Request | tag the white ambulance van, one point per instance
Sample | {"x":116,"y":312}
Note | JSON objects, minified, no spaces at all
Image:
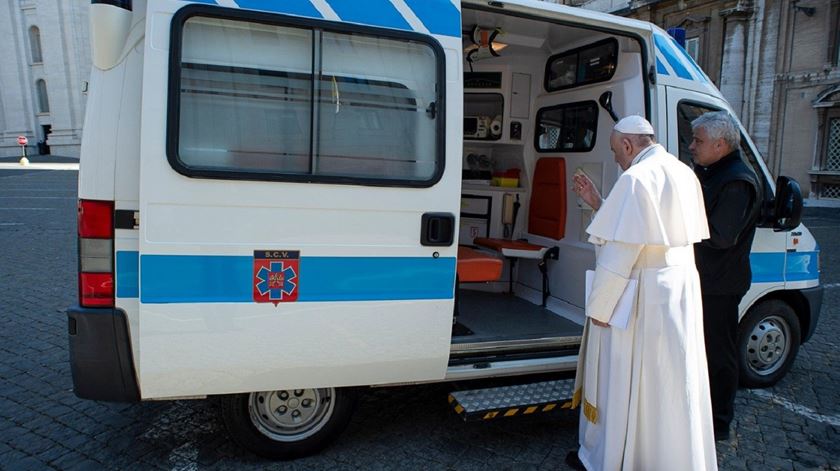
{"x":283,"y":201}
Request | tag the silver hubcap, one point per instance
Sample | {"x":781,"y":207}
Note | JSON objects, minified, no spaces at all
{"x":768,"y":347}
{"x":291,"y":415}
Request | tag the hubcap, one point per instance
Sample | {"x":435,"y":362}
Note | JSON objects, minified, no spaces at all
{"x":767,"y":347}
{"x":291,"y":415}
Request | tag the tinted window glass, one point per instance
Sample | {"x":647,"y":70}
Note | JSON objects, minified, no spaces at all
{"x":264,"y":100}
{"x":567,"y":128}
{"x":589,"y":64}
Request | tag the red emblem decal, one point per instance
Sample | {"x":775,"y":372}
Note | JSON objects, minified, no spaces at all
{"x":276,"y":276}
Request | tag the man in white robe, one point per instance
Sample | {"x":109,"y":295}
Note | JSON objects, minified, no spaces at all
{"x":644,"y":386}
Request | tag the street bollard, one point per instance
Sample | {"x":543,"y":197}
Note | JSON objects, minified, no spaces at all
{"x":22,"y":141}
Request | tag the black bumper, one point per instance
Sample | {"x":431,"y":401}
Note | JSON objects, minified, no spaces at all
{"x":814,"y":297}
{"x":100,"y":355}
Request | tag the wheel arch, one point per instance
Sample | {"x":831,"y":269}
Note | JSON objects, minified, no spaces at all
{"x":793,"y":298}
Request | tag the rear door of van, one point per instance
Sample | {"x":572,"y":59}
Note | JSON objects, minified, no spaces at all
{"x":297,"y":198}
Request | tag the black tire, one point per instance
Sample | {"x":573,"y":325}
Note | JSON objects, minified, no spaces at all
{"x":250,"y":422}
{"x":768,"y":341}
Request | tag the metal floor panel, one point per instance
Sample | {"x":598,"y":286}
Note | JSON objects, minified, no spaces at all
{"x":495,"y":317}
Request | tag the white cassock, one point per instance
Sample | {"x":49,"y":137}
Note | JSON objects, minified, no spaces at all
{"x":645,"y":389}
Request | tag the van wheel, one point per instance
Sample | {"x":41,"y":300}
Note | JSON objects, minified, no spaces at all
{"x":290,"y":423}
{"x":768,"y":341}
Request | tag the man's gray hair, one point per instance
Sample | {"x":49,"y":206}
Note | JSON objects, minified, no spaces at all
{"x":719,"y":125}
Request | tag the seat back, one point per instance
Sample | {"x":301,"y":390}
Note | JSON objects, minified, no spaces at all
{"x":547,"y":209}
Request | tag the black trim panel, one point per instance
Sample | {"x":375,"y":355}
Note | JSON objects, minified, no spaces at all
{"x":124,"y":4}
{"x":100,"y":355}
{"x":124,"y":219}
{"x":814,"y":296}
{"x":174,"y":106}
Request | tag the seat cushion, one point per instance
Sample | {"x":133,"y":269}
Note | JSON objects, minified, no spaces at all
{"x":512,"y":248}
{"x":547,"y":211}
{"x":474,"y":266}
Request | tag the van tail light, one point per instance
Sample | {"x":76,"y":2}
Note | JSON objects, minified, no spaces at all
{"x":96,"y":253}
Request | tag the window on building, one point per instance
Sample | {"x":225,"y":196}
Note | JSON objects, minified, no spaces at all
{"x":43,"y":99}
{"x":832,"y":156}
{"x":692,"y":47}
{"x":35,"y":45}
{"x":282,"y":102}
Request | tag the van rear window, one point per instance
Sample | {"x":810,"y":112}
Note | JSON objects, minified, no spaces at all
{"x":296,"y":102}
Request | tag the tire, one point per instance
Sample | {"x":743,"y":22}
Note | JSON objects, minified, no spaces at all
{"x":287,"y":424}
{"x":768,"y":341}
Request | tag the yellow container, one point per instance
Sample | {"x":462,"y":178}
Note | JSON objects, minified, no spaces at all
{"x":506,"y":182}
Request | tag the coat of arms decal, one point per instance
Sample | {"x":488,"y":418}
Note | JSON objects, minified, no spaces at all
{"x":276,"y":276}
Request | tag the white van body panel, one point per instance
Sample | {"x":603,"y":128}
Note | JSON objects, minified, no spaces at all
{"x":198,"y":231}
{"x":211,"y":342}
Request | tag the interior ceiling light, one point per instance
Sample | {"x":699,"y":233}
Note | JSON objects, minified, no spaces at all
{"x":483,"y":44}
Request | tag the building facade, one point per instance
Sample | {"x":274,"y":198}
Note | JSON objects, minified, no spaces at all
{"x":778,"y":65}
{"x":43,"y":77}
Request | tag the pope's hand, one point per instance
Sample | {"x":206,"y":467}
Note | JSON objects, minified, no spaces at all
{"x":599,"y":323}
{"x":584,"y":188}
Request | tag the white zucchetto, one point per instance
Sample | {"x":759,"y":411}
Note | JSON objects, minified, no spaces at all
{"x":634,"y":125}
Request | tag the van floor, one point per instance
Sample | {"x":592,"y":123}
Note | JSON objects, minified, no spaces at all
{"x":495,"y":317}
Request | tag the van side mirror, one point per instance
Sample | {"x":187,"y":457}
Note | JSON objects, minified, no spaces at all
{"x":788,"y":204}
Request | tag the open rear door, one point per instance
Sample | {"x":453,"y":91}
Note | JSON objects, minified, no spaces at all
{"x":298,"y":197}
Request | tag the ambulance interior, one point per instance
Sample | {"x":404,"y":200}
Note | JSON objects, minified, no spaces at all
{"x":538,"y":98}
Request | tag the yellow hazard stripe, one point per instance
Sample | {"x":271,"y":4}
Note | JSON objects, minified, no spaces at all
{"x":491,"y":415}
{"x":511,"y":412}
{"x":459,"y":408}
{"x":451,"y":398}
{"x":549,"y":407}
{"x":531,"y":410}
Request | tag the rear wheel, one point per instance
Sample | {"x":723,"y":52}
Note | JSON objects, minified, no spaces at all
{"x":287,"y":424}
{"x":768,"y":341}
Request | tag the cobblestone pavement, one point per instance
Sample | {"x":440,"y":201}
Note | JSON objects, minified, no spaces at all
{"x":795,"y":425}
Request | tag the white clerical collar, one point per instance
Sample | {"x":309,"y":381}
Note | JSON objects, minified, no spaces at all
{"x":644,"y":153}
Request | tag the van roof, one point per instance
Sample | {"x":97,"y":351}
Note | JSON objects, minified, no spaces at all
{"x":674,"y":66}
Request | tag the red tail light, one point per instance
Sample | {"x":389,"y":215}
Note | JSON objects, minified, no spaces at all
{"x":96,"y":253}
{"x":96,"y":219}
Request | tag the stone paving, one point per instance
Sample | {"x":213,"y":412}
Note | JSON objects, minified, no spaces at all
{"x":795,"y":425}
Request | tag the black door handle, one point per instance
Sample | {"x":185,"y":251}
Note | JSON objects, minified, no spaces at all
{"x":437,"y":229}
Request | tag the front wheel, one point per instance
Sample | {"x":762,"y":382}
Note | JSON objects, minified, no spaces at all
{"x":768,"y":341}
{"x":287,"y":424}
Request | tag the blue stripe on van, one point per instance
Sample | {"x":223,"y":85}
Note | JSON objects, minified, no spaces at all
{"x":665,"y":47}
{"x":767,"y":267}
{"x":802,"y":266}
{"x":701,"y":76}
{"x":660,"y":67}
{"x":439,"y":16}
{"x":291,"y":7}
{"x":780,"y":266}
{"x":127,"y":270}
{"x":217,"y":279}
{"x":370,"y":12}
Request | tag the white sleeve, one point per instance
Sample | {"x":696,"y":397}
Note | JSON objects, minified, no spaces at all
{"x":613,"y":266}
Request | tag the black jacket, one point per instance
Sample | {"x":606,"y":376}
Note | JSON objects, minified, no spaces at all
{"x":731,"y":194}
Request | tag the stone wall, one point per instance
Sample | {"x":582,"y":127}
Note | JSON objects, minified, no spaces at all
{"x":64,"y":68}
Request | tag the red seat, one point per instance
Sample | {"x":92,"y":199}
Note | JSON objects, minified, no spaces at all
{"x":546,"y":218}
{"x":475,"y":266}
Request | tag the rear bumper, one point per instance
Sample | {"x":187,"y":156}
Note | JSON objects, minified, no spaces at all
{"x":100,"y":355}
{"x":814,"y":297}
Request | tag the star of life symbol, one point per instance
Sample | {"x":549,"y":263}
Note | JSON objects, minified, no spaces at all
{"x":276,"y":274}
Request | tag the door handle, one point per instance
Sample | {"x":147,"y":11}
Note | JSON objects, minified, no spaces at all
{"x":437,"y":229}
